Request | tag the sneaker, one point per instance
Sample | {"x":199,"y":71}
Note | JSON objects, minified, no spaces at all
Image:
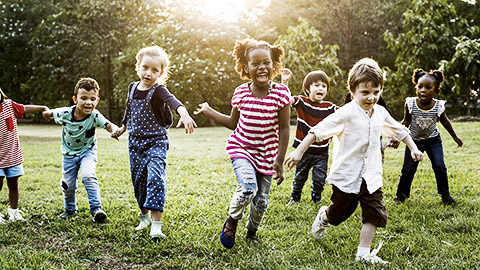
{"x":99,"y":216}
{"x":156,"y":230}
{"x":372,"y":258}
{"x":67,"y":214}
{"x":316,"y":197}
{"x":14,"y":215}
{"x":145,"y":220}
{"x":2,"y":221}
{"x":295,"y":197}
{"x":319,"y":227}
{"x":448,"y":200}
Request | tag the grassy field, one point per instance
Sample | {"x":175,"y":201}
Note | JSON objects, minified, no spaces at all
{"x":421,"y":234}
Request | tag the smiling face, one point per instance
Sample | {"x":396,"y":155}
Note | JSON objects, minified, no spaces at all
{"x":149,"y":70}
{"x":86,"y":102}
{"x":426,"y":89}
{"x":366,"y":95}
{"x":317,"y":91}
{"x":260,"y":66}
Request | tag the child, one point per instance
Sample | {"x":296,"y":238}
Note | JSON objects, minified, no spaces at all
{"x":311,"y":109}
{"x":79,"y":146}
{"x":147,"y":119}
{"x":356,"y":170}
{"x":260,"y":123}
{"x":421,"y":115}
{"x":11,"y":157}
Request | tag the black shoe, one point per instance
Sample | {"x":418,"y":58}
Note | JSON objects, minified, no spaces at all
{"x":448,"y":200}
{"x":316,"y":197}
{"x":99,"y":216}
{"x":399,"y":200}
{"x":66,"y":214}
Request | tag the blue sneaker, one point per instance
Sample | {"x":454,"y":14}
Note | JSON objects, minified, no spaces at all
{"x":227,"y":242}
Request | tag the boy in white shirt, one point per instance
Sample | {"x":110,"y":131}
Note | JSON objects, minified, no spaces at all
{"x":356,"y":170}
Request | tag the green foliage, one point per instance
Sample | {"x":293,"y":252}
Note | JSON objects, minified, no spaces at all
{"x":304,"y":52}
{"x":429,"y":31}
{"x":421,"y":234}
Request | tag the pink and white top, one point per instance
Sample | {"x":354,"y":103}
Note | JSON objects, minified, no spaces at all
{"x":10,"y":151}
{"x":256,"y":136}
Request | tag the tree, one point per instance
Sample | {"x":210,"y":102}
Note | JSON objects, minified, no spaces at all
{"x":304,"y":53}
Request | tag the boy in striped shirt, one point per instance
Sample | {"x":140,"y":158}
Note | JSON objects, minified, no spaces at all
{"x":311,"y":109}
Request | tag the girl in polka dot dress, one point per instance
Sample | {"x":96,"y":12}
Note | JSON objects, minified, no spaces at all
{"x":147,"y":120}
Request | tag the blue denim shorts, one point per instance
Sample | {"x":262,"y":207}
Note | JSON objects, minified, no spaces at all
{"x":12,"y":171}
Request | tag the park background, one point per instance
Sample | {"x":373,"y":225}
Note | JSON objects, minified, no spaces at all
{"x":46,"y":46}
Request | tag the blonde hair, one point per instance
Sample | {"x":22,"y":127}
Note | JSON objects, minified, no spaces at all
{"x":158,"y":53}
{"x":243,"y":47}
{"x":365,"y":70}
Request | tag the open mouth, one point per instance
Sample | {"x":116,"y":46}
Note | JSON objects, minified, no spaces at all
{"x":262,"y":77}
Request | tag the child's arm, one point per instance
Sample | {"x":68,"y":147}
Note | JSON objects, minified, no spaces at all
{"x":111,"y":127}
{"x":228,"y":121}
{"x":448,"y":126}
{"x":297,"y":154}
{"x":34,"y":109}
{"x":118,"y":132}
{"x":186,"y":120}
{"x":415,"y":153}
{"x":284,"y":133}
{"x":47,"y":114}
{"x":407,"y":120}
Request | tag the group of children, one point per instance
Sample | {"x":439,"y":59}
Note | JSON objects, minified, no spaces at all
{"x":257,"y":146}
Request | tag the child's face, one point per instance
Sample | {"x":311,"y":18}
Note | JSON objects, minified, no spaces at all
{"x":86,"y":101}
{"x":149,"y":70}
{"x":426,"y":89}
{"x":317,"y":91}
{"x":260,"y":66}
{"x":367,"y":95}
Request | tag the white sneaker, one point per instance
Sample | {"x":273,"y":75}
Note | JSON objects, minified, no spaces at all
{"x":319,"y":227}
{"x":372,"y":258}
{"x":14,"y":215}
{"x":156,"y":230}
{"x":145,"y":220}
{"x":2,"y":221}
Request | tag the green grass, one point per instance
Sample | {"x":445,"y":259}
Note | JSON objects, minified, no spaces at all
{"x":421,"y":234}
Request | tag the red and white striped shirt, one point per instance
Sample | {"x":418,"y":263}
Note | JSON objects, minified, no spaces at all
{"x":10,"y":151}
{"x":256,"y":136}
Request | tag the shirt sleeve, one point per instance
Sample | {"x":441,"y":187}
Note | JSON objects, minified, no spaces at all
{"x":18,"y":109}
{"x":163,"y":95}
{"x":296,"y":100}
{"x":59,"y":115}
{"x":441,"y":107}
{"x":100,"y":120}
{"x":331,"y":126}
{"x":409,"y":102}
{"x":392,"y":128}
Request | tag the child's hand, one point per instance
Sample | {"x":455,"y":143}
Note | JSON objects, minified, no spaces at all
{"x":47,"y":114}
{"x":286,"y":75}
{"x":278,"y":167}
{"x":186,"y":120}
{"x":417,"y":155}
{"x":293,"y":158}
{"x":118,"y":132}
{"x":391,"y":142}
{"x":202,"y":108}
{"x":458,"y":141}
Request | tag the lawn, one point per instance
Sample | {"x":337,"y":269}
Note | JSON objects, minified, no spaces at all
{"x":421,"y":233}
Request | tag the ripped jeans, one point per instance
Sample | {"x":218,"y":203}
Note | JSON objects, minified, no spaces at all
{"x":86,"y":162}
{"x":253,"y":188}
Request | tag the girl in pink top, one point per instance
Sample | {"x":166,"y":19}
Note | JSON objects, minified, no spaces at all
{"x":260,"y":123}
{"x":11,"y":158}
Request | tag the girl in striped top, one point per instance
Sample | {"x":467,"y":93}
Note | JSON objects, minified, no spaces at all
{"x":421,"y":115}
{"x":11,"y":158}
{"x":260,"y":123}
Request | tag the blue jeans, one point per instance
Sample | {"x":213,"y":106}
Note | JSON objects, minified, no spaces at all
{"x":318,"y":164}
{"x":434,"y":149}
{"x":253,"y":189}
{"x":87,"y":163}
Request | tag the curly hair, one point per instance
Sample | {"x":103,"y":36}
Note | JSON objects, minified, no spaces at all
{"x":365,"y":70}
{"x":158,"y":53}
{"x":88,"y":84}
{"x":437,"y":75}
{"x":242,"y":49}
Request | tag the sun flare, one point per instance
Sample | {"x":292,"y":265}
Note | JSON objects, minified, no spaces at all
{"x":226,"y":10}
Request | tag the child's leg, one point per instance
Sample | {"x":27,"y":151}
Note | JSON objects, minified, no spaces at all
{"x":88,"y":165}
{"x":259,"y":205}
{"x":69,"y":182}
{"x":408,"y":172}
{"x":302,"y":170}
{"x":367,"y":234}
{"x":1,"y":182}
{"x":434,"y":151}
{"x":319,"y":174}
{"x":12,"y":184}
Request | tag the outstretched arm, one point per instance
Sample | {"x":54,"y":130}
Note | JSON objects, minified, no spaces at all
{"x":47,"y":114}
{"x":228,"y":121}
{"x":34,"y":108}
{"x":297,"y":154}
{"x":416,"y":154}
{"x":186,"y":120}
{"x":286,"y":76}
{"x":407,"y":120}
{"x":284,"y":134}
{"x":448,"y":126}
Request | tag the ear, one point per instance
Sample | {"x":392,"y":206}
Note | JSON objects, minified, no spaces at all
{"x":74,"y":99}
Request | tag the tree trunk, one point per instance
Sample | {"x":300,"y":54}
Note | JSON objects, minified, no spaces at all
{"x":108,"y":86}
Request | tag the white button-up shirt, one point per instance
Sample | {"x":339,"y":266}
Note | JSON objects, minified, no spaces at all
{"x":358,"y":151}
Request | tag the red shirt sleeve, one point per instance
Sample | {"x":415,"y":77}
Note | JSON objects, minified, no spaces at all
{"x":18,"y":109}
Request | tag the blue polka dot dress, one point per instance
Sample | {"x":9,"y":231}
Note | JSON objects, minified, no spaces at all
{"x":148,"y":144}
